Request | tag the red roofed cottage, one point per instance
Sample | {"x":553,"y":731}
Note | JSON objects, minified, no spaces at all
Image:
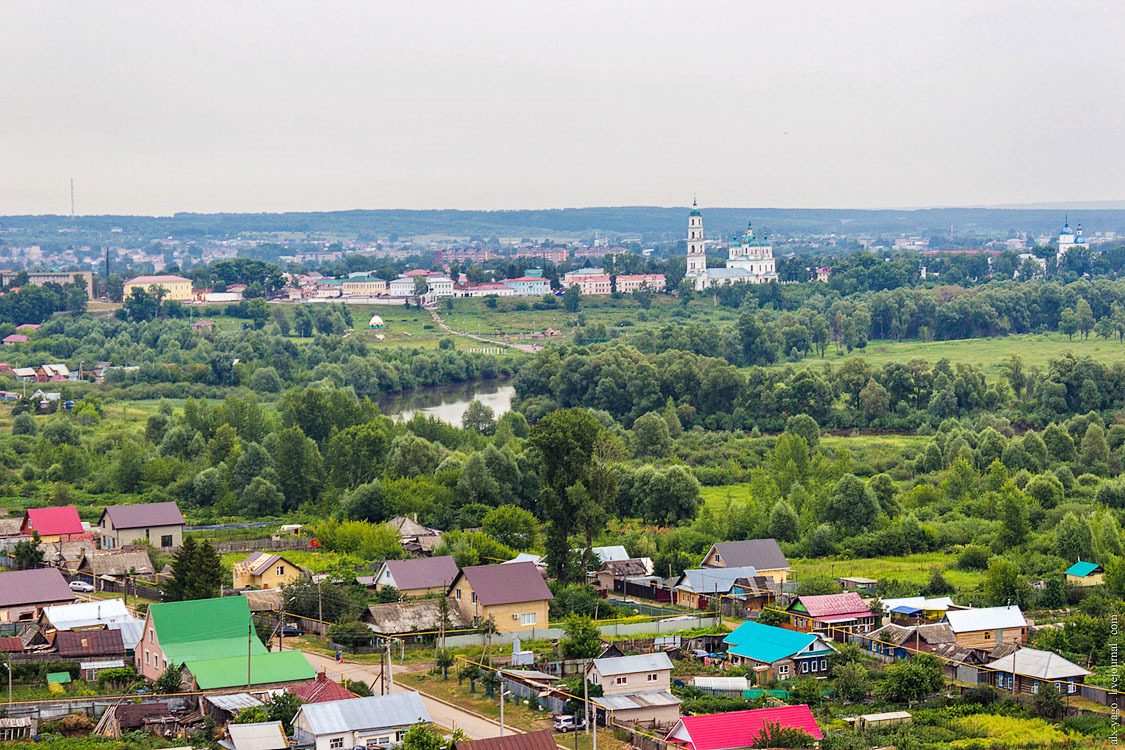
{"x":738,"y":729}
{"x":54,"y":524}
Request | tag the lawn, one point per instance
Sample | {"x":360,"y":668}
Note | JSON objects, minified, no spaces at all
{"x":909,"y":569}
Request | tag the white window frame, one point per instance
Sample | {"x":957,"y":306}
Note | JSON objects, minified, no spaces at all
{"x":280,"y":570}
{"x":457,"y":594}
{"x":804,"y":667}
{"x":783,"y":669}
{"x":336,"y":742}
{"x":620,"y":680}
{"x":653,"y":677}
{"x":527,"y":618}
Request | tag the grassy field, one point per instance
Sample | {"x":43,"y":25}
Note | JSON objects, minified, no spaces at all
{"x":909,"y":569}
{"x":1034,"y":348}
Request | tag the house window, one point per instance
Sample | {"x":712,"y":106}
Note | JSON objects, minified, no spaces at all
{"x":783,"y":669}
{"x":527,"y":618}
{"x":718,"y":558}
{"x":474,"y":597}
{"x":804,"y":667}
{"x":457,"y":594}
{"x":166,"y":540}
{"x":146,"y":657}
{"x":151,"y":635}
{"x":620,"y":680}
{"x":813,"y":667}
{"x":336,"y":742}
{"x":823,"y":665}
{"x":281,"y":570}
{"x":988,"y":635}
{"x":1035,"y":687}
{"x":1071,"y":688}
{"x":653,"y":677}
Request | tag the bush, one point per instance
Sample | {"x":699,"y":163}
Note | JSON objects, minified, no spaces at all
{"x":974,"y":557}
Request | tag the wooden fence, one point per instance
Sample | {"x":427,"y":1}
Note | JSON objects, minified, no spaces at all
{"x":264,"y":545}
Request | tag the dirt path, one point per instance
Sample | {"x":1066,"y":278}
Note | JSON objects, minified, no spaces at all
{"x":443,"y":326}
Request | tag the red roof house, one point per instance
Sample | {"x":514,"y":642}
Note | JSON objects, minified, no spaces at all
{"x":738,"y":728}
{"x":54,"y":524}
{"x":834,"y":612}
{"x":321,"y":690}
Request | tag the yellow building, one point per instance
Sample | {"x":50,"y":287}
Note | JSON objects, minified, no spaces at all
{"x":1085,"y":574}
{"x":175,"y":287}
{"x":264,"y":571}
{"x":763,"y":555}
{"x":512,"y":594}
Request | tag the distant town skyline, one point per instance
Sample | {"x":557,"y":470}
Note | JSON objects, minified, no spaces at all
{"x":319,"y":106}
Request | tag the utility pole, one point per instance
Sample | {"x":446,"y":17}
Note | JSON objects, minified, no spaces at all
{"x":388,"y":678}
{"x":319,"y":603}
{"x":249,"y":644}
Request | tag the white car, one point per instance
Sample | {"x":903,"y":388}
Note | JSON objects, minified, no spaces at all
{"x":82,"y":586}
{"x":567,"y":723}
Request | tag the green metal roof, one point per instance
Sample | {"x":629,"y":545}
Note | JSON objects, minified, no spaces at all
{"x":265,"y":668}
{"x":59,"y":678}
{"x":765,"y":643}
{"x":205,"y":629}
{"x":1082,"y":569}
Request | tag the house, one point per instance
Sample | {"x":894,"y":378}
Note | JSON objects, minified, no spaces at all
{"x":81,"y":645}
{"x":25,"y":374}
{"x":261,"y":735}
{"x":613,"y":552}
{"x":777,"y":653}
{"x":265,"y":571}
{"x":11,"y":645}
{"x":115,"y":565}
{"x":894,"y":642}
{"x":53,"y":524}
{"x":417,"y":576}
{"x":628,"y":283}
{"x":172,"y":287}
{"x":738,"y":729}
{"x":24,"y":594}
{"x":913,"y":610}
{"x":696,"y":587}
{"x":415,"y":538}
{"x":514,"y":595}
{"x":159,"y":524}
{"x":636,"y":688}
{"x":858,"y":583}
{"x":411,"y":616}
{"x":988,"y":626}
{"x":761,"y":554}
{"x":67,"y":555}
{"x":321,"y":690}
{"x":222,"y":708}
{"x":1027,"y":670}
{"x":637,"y":567}
{"x":544,"y":739}
{"x":54,"y":373}
{"x":1085,"y":574}
{"x":212,"y":641}
{"x":528,"y":286}
{"x":100,"y":614}
{"x":837,"y":614}
{"x":380,"y":720}
{"x":16,"y":338}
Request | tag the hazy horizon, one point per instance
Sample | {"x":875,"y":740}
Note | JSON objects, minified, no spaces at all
{"x":273,"y":107}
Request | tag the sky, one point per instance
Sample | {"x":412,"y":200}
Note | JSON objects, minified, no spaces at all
{"x":159,"y":107}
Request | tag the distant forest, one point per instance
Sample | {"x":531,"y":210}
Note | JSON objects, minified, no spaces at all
{"x":650,"y":222}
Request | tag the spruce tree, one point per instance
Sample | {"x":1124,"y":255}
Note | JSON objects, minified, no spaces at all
{"x":176,"y":588}
{"x":206,"y":574}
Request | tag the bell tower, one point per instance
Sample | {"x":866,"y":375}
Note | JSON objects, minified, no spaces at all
{"x":696,"y":254}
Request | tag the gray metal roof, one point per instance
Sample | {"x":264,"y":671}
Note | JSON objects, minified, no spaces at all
{"x":713,"y":580}
{"x":264,"y":735}
{"x":987,"y":618}
{"x":233,"y":702}
{"x":636,"y":663}
{"x":637,"y":700}
{"x":763,"y":554}
{"x":376,"y":712}
{"x":1044,"y":665}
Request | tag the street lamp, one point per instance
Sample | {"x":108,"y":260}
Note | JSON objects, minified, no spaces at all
{"x":503,"y":694}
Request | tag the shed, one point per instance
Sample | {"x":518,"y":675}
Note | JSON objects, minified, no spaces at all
{"x":885,"y":719}
{"x":263,"y":735}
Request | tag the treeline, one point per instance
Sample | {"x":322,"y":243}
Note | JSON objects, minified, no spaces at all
{"x":35,"y":304}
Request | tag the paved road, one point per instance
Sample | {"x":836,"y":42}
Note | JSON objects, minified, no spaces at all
{"x":476,"y":727}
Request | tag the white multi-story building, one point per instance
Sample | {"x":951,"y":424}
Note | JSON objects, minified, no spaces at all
{"x":749,"y":258}
{"x":1070,"y":239}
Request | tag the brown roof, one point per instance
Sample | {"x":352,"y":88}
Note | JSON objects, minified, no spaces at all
{"x":141,"y":515}
{"x":544,"y":739}
{"x":132,"y":715}
{"x":506,"y":584}
{"x":117,"y":563}
{"x":632,"y":567}
{"x":73,"y":643}
{"x":39,"y":586}
{"x":11,"y":644}
{"x":257,"y":563}
{"x":321,"y":690}
{"x":422,"y":572}
{"x":417,"y":615}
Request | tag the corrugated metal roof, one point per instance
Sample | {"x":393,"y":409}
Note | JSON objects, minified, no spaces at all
{"x":140,"y":515}
{"x":265,"y":735}
{"x":1044,"y":665}
{"x":713,"y":580}
{"x":636,"y":700}
{"x":55,"y":521}
{"x":1082,"y":569}
{"x":834,"y":605}
{"x":507,"y":584}
{"x":233,"y":702}
{"x":265,"y":668}
{"x":544,"y":739}
{"x":721,"y":683}
{"x":421,"y":572}
{"x":376,"y":712}
{"x":765,"y":643}
{"x":87,"y":614}
{"x":636,"y":663}
{"x":987,"y":618}
{"x":39,"y":586}
{"x":110,"y":664}
{"x":611,"y":553}
{"x":72,"y":643}
{"x":738,"y":728}
{"x":763,"y":554}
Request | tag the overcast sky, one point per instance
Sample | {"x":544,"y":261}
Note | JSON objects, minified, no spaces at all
{"x":157,"y":107}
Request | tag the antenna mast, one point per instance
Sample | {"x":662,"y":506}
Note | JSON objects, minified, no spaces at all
{"x":71,"y":200}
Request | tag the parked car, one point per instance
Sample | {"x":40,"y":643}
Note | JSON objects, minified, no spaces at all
{"x":289,"y":630}
{"x":567,"y":723}
{"x":82,"y":586}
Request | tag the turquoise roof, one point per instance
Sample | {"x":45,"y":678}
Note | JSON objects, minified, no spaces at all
{"x":1081,"y":569}
{"x":765,"y":643}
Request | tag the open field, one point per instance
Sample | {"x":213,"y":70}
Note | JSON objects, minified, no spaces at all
{"x":909,"y":569}
{"x":1036,"y":349}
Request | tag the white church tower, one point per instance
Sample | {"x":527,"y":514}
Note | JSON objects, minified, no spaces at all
{"x":696,"y":253}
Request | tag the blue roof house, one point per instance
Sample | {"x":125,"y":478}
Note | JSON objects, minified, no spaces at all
{"x":777,"y":653}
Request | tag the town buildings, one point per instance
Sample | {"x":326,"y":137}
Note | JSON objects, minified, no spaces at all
{"x":174,"y":287}
{"x":417,"y":576}
{"x":988,"y":626}
{"x":24,"y":594}
{"x":636,"y":688}
{"x":777,"y":653}
{"x":379,"y":721}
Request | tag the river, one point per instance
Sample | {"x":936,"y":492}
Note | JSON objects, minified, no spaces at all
{"x":449,"y":402}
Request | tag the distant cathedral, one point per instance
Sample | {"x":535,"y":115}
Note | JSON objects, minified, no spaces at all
{"x":1069,"y":239}
{"x":749,"y":258}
